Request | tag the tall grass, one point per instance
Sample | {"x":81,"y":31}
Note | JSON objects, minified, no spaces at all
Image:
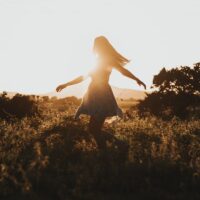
{"x":55,"y":157}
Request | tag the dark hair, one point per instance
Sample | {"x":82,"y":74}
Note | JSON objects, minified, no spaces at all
{"x":109,"y":52}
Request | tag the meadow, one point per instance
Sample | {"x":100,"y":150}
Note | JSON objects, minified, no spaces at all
{"x":52,"y":156}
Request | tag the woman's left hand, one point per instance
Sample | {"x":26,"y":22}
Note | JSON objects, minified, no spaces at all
{"x":139,"y":82}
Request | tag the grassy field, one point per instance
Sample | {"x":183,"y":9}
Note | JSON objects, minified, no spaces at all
{"x":52,"y":156}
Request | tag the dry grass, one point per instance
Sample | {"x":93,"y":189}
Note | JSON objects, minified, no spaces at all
{"x":55,"y":157}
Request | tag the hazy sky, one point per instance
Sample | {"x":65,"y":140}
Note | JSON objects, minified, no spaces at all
{"x":47,"y":42}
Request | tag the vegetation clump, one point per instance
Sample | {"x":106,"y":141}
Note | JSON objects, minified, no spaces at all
{"x":176,"y":93}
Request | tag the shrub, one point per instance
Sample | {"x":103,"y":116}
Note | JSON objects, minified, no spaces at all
{"x":18,"y":106}
{"x":176,"y":93}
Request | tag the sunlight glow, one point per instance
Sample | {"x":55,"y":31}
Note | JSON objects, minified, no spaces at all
{"x":45,"y":43}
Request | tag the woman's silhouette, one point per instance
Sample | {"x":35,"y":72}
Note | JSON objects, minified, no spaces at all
{"x":99,"y":101}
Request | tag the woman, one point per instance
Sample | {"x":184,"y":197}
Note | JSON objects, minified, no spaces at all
{"x":99,"y":101}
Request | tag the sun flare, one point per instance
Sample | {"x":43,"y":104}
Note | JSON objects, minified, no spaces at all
{"x":45,"y":43}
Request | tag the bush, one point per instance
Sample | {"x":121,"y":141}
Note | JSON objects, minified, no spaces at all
{"x":18,"y":106}
{"x":176,"y":93}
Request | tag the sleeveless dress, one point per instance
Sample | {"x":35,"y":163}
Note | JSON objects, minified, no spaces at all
{"x":99,"y":100}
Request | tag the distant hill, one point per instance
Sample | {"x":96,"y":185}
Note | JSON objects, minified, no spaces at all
{"x":79,"y":91}
{"x":128,"y":93}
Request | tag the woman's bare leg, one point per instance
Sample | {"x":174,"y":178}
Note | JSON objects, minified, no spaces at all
{"x":95,"y":126}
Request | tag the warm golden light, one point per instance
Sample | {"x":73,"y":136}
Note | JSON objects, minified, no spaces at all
{"x":44,"y":43}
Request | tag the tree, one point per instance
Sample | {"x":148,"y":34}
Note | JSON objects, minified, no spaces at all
{"x":176,"y":93}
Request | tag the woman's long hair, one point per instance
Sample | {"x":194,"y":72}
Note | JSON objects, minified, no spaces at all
{"x":107,"y":51}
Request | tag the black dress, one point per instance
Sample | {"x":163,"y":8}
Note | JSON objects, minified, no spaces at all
{"x":99,"y":99}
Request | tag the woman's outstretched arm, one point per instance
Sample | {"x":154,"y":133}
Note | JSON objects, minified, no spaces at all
{"x":73,"y":82}
{"x":128,"y":74}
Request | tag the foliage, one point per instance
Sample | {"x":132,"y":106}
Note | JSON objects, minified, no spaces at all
{"x":176,"y":93}
{"x":18,"y":106}
{"x":52,"y":156}
{"x":65,"y":103}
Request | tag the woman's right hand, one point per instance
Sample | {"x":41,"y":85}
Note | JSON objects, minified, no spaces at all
{"x":60,"y":87}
